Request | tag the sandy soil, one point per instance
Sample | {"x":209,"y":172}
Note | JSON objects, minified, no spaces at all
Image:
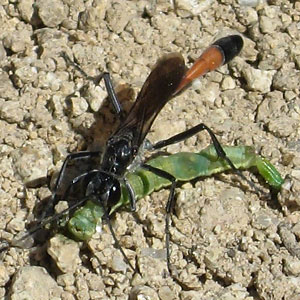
{"x":228,"y":241}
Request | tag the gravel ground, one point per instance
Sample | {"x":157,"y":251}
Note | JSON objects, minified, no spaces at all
{"x":228,"y":242}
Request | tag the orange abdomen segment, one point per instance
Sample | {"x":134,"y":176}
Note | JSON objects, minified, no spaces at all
{"x":220,"y":52}
{"x":210,"y":60}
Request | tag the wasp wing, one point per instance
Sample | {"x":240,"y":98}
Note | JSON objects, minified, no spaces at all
{"x":155,"y":93}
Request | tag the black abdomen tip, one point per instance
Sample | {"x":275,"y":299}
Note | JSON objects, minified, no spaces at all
{"x":231,"y":46}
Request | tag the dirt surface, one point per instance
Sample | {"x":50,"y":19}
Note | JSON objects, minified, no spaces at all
{"x":228,"y":242}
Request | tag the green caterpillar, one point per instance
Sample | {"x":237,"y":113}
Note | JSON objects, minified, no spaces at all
{"x":184,"y":166}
